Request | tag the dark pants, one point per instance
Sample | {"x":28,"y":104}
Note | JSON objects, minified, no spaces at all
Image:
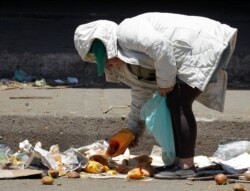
{"x":180,"y":102}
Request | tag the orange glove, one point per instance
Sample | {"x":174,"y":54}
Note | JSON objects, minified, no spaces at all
{"x":119,"y":142}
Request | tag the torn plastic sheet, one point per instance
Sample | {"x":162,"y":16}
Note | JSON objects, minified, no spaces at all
{"x":46,"y":158}
{"x":236,"y":165}
{"x":231,"y":150}
{"x":234,"y":157}
{"x":68,"y":160}
{"x":4,"y":152}
{"x":54,"y":159}
{"x":98,"y":147}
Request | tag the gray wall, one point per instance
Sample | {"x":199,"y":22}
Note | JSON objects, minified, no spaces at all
{"x":38,"y":36}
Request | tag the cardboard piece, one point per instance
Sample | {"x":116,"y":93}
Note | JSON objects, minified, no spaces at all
{"x":5,"y":174}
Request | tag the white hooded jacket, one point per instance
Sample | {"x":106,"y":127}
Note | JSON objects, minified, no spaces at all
{"x":103,"y":30}
{"x":189,"y":48}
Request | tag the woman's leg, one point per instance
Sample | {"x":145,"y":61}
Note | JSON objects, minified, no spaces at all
{"x":180,"y":102}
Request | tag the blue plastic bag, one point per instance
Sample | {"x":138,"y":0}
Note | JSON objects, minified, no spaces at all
{"x":158,"y":121}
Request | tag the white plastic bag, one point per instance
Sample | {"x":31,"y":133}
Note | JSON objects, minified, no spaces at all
{"x":157,"y":117}
{"x":231,"y":150}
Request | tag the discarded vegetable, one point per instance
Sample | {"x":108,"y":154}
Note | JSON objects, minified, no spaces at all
{"x":94,"y":167}
{"x":138,"y":173}
{"x":135,"y":173}
{"x":47,"y":180}
{"x":238,"y":187}
{"x":220,"y":179}
{"x":73,"y":174}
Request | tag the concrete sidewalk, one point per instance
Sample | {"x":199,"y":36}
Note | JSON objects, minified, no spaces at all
{"x":97,"y":102}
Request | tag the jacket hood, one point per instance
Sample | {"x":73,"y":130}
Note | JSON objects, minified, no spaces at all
{"x":103,"y":30}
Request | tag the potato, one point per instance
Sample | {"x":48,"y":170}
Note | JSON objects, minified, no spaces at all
{"x":47,"y":180}
{"x":220,"y":179}
{"x":73,"y":174}
{"x":238,"y":187}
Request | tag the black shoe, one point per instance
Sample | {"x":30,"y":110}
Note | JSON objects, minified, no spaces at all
{"x":176,"y":173}
{"x":158,"y":169}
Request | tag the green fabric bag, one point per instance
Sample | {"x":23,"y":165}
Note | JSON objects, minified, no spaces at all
{"x":99,"y":50}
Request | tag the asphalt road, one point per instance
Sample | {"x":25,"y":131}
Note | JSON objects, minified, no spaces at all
{"x":75,"y":117}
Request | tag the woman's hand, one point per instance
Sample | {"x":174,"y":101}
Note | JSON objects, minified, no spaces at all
{"x":119,"y":142}
{"x":165,"y":91}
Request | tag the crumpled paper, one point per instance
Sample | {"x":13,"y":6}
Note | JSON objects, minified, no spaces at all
{"x":46,"y":158}
{"x":52,"y":159}
{"x":69,"y":160}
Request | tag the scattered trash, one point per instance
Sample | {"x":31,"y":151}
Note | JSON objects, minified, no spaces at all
{"x":118,"y":106}
{"x":72,"y":80}
{"x":204,"y":162}
{"x":231,"y":150}
{"x":72,"y":163}
{"x":4,"y":152}
{"x":22,"y":76}
{"x":25,"y":146}
{"x":238,"y":164}
{"x":40,"y":83}
{"x":14,"y":85}
{"x":59,"y":81}
{"x":7,"y":174}
{"x":233,"y":157}
{"x":90,"y":162}
{"x":5,"y":81}
{"x":32,"y":82}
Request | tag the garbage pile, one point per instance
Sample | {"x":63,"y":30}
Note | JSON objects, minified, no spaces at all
{"x":90,"y":161}
{"x":22,"y":79}
{"x":87,"y":161}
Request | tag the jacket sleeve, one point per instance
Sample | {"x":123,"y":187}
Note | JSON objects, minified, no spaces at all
{"x":139,"y":96}
{"x":139,"y":35}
